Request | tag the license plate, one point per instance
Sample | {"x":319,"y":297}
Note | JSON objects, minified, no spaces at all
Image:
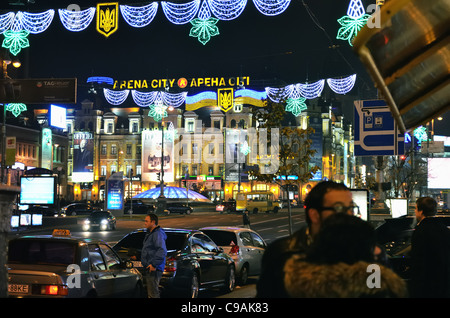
{"x":18,"y":289}
{"x":136,"y":263}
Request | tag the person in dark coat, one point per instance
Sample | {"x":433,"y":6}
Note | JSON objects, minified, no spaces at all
{"x":246,"y":219}
{"x":153,"y":254}
{"x":324,"y":199}
{"x":341,"y":263}
{"x":430,"y":253}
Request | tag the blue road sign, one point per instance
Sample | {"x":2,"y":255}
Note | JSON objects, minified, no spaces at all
{"x":375,"y":130}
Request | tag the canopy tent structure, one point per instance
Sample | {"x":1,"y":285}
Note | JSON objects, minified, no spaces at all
{"x":172,"y":193}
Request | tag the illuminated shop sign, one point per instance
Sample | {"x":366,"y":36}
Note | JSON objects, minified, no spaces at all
{"x":182,"y":82}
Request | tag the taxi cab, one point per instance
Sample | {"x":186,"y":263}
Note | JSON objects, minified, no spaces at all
{"x":60,"y":265}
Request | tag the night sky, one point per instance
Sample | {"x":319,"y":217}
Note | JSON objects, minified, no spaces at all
{"x":284,"y":49}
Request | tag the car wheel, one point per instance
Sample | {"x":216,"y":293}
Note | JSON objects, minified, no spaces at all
{"x":275,"y":209}
{"x":188,"y":212}
{"x":230,"y":279}
{"x":243,"y":275}
{"x":194,"y":286}
{"x":255,"y":210}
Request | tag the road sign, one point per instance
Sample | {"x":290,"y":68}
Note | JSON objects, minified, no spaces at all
{"x":376,"y":131}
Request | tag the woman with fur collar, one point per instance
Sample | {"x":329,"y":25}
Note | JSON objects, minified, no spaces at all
{"x":341,"y":264}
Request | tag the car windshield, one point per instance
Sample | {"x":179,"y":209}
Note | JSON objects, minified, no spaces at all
{"x":101,"y":214}
{"x":221,"y":238}
{"x":41,"y":252}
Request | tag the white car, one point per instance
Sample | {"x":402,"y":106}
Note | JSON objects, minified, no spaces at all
{"x":245,"y":246}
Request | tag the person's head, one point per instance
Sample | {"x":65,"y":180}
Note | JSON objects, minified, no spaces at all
{"x":83,"y":143}
{"x":151,"y":221}
{"x":325,"y":199}
{"x":425,"y":207}
{"x":343,"y":238}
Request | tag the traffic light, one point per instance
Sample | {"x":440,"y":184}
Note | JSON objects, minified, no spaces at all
{"x":158,"y":176}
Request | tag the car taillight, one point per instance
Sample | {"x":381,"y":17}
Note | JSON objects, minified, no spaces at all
{"x":54,"y":290}
{"x":171,"y":265}
{"x":234,"y":250}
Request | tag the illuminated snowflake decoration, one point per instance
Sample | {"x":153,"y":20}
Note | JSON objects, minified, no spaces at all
{"x":15,"y":41}
{"x":16,"y":108}
{"x":351,"y":23}
{"x":420,"y":133}
{"x":296,"y":105}
{"x":157,"y":111}
{"x":204,"y":27}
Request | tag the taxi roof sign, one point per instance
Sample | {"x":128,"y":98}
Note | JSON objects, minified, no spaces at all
{"x":61,"y":232}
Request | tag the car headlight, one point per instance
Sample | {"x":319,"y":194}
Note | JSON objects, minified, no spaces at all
{"x":104,"y":222}
{"x":87,"y":222}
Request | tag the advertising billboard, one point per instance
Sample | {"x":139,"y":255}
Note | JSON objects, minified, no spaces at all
{"x":438,"y":173}
{"x":151,"y":155}
{"x":83,"y":157}
{"x":37,"y":190}
{"x":58,"y":116}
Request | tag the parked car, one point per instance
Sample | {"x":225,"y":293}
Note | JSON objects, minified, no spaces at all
{"x":101,"y":220}
{"x":42,"y":209}
{"x":79,"y":209}
{"x":245,"y":246}
{"x":226,"y":206}
{"x":177,"y":207}
{"x":139,"y":207}
{"x":193,"y":261}
{"x":61,"y":266}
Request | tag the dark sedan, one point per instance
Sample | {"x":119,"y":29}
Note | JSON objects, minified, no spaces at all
{"x":178,"y":208}
{"x":138,"y":207}
{"x":100,"y":220}
{"x":79,"y":209}
{"x":64,"y":266}
{"x":193,"y":261}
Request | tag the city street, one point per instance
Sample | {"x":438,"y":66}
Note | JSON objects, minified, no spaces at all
{"x":270,"y":226}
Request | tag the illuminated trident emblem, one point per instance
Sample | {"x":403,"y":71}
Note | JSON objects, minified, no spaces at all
{"x":225,"y":98}
{"x":107,"y":18}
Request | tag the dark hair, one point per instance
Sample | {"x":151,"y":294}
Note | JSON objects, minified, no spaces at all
{"x":153,"y":217}
{"x":427,"y":205}
{"x":343,"y":238}
{"x":314,"y":199}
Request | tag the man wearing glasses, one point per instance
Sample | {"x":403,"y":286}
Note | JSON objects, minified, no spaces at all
{"x":325,"y":199}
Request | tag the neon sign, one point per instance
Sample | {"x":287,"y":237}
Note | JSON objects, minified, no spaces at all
{"x":182,"y":82}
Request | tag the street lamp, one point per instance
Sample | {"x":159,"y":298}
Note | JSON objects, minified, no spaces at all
{"x":5,"y":61}
{"x":162,"y":198}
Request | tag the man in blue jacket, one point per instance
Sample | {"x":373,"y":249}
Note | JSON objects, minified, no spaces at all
{"x":153,"y":255}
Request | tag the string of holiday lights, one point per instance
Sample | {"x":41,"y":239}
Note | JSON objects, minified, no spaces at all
{"x":139,"y":17}
{"x":145,"y":99}
{"x":76,"y":21}
{"x":311,"y":90}
{"x":17,"y":26}
{"x":115,"y":97}
{"x":351,"y":23}
{"x":342,"y":85}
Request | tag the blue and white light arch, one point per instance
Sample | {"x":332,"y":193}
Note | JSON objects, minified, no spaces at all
{"x":202,"y":14}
